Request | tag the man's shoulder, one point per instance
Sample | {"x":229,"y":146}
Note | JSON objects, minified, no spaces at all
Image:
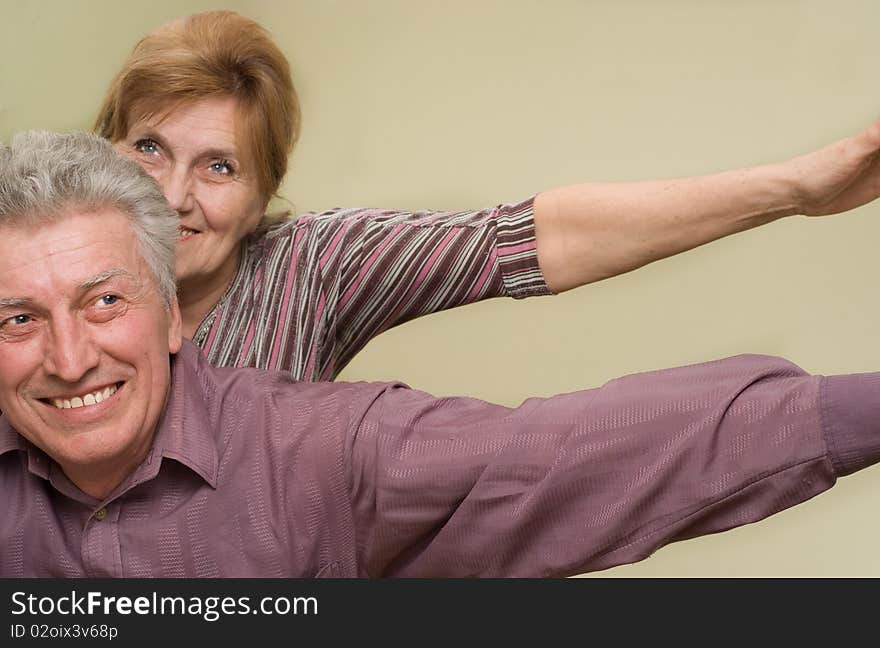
{"x":240,"y":383}
{"x":239,"y":391}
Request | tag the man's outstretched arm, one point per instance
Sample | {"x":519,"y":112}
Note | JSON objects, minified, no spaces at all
{"x":593,"y":479}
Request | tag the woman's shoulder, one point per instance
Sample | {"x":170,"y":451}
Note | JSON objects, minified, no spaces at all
{"x":279,"y":232}
{"x":288,"y":224}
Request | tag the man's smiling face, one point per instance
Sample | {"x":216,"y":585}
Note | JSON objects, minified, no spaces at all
{"x":85,"y":339}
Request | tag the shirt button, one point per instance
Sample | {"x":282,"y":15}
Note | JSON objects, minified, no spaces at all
{"x":101,"y":514}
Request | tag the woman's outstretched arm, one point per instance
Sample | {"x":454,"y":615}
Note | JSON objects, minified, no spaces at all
{"x":592,"y":231}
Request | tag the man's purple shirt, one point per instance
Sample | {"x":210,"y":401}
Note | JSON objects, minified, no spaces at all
{"x":252,"y":474}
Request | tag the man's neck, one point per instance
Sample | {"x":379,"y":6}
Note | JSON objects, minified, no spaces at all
{"x":100,"y":479}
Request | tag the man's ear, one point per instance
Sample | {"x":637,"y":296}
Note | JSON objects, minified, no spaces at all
{"x":175,"y":327}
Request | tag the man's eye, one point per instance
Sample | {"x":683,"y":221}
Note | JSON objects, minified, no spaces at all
{"x":108,"y":300}
{"x":147,"y":146}
{"x":16,"y":321}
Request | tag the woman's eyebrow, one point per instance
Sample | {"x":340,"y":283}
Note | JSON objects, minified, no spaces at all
{"x":219,"y":152}
{"x":147,"y":132}
{"x":151,"y":132}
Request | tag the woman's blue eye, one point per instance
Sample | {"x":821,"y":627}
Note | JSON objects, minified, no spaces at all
{"x":222,"y":167}
{"x":146,"y":146}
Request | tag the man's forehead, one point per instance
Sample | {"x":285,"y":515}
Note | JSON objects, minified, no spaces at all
{"x":33,"y":223}
{"x":67,"y":222}
{"x":76,"y":250}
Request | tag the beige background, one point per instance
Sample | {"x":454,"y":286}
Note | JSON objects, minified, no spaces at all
{"x":467,"y":103}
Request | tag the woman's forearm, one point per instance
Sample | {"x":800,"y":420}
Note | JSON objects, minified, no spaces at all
{"x":588,"y":232}
{"x":592,"y":231}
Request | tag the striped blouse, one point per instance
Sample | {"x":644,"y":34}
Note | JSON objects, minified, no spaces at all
{"x":310,"y":293}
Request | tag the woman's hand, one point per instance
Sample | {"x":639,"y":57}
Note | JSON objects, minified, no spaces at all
{"x":839,"y":177}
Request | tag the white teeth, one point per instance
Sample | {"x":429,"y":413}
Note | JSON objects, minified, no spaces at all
{"x":85,"y":400}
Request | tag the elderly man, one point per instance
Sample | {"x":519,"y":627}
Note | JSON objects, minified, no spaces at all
{"x":123,"y":453}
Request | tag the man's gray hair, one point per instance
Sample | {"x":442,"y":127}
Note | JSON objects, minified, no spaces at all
{"x":43,"y":174}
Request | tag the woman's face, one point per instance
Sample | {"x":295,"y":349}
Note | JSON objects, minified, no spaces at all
{"x":194,"y":155}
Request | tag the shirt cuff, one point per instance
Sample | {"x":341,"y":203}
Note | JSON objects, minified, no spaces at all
{"x":850,"y":409}
{"x":517,"y":251}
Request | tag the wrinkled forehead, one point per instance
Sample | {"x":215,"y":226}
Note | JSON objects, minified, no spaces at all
{"x":67,"y":251}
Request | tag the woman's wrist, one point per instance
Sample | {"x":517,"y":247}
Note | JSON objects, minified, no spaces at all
{"x":775,"y":193}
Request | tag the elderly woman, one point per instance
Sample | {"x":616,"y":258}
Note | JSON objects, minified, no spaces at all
{"x":207,"y":106}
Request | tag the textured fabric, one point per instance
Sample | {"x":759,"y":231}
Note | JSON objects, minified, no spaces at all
{"x":253,"y":474}
{"x":310,"y":293}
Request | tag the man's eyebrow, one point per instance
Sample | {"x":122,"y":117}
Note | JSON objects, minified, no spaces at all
{"x":105,"y":276}
{"x":17,"y":302}
{"x":14,"y":302}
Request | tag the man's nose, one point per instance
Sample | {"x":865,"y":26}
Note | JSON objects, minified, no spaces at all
{"x":71,"y":352}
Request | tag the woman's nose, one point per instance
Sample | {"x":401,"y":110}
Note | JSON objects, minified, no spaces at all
{"x":177,"y":186}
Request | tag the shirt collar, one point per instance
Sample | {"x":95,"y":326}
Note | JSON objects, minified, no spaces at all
{"x":184,"y":432}
{"x":10,"y":441}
